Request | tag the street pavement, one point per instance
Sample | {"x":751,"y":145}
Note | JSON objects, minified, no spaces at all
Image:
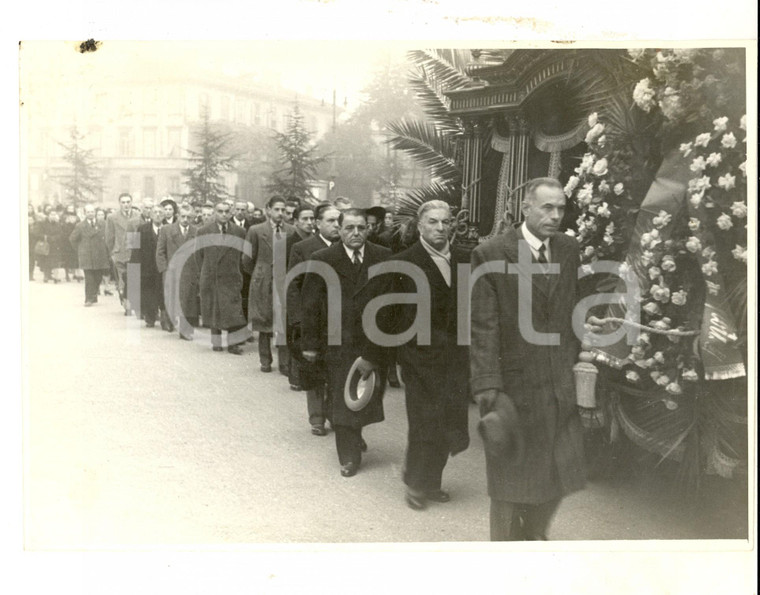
{"x":133,"y":437}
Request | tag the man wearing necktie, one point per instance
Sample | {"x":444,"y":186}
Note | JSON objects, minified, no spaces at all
{"x":88,"y":238}
{"x":524,"y":385}
{"x":260,"y":266}
{"x":151,"y":287}
{"x":184,"y":299}
{"x":435,"y":373}
{"x":350,"y":258}
{"x":220,"y":279}
{"x":311,"y":377}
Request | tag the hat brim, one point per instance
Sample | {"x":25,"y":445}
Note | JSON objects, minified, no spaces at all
{"x":357,"y":393}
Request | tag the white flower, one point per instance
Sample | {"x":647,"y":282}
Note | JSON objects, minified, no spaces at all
{"x":724,"y":222}
{"x":698,"y":165}
{"x":740,"y":253}
{"x":659,"y":357}
{"x":600,"y":167}
{"x":619,"y":188}
{"x":570,"y":232}
{"x":654,"y":273}
{"x":632,"y":376}
{"x":720,"y":124}
{"x":646,"y":257}
{"x":602,"y":140}
{"x":610,"y":229}
{"x":693,"y":224}
{"x":663,"y":380}
{"x":673,"y":388}
{"x":662,"y":325}
{"x":586,"y":193}
{"x":587,"y":269}
{"x":728,"y":140}
{"x":727,"y":182}
{"x":652,"y":308}
{"x":709,"y":268}
{"x":690,"y":375}
{"x":637,"y":352}
{"x":571,"y":185}
{"x":739,"y":210}
{"x":636,"y":53}
{"x":603,"y":210}
{"x":743,"y":122}
{"x":604,"y":187}
{"x":592,"y":120}
{"x":594,"y":133}
{"x":589,"y":251}
{"x":668,"y":264}
{"x":743,"y":168}
{"x":624,"y":269}
{"x":685,"y":148}
{"x":708,"y":252}
{"x":693,"y":244}
{"x":662,"y":219}
{"x":660,"y":293}
{"x":670,"y":405}
{"x":608,"y":239}
{"x":695,"y":200}
{"x":702,"y":139}
{"x":655,"y":375}
{"x":714,"y":159}
{"x":645,"y":339}
{"x":586,"y":163}
{"x":670,"y":103}
{"x":699,"y":184}
{"x":643,"y":95}
{"x":685,"y":54}
{"x":678,"y":298}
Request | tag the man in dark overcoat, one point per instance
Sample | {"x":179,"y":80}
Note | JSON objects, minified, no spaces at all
{"x":435,"y":372}
{"x":89,"y":240}
{"x":260,"y":266}
{"x":151,"y":287}
{"x":183,"y":299}
{"x":350,"y":259}
{"x":328,"y":232}
{"x":219,"y":245}
{"x":524,"y":386}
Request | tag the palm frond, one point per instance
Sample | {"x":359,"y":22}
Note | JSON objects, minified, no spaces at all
{"x":433,"y":106}
{"x":427,"y":145}
{"x":407,"y":205}
{"x":444,"y":70}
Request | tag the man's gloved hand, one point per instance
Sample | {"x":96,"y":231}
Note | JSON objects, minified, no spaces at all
{"x":365,"y":367}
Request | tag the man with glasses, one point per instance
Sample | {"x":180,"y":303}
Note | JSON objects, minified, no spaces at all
{"x":219,"y":245}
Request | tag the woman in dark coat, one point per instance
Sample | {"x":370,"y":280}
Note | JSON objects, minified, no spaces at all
{"x":50,"y":230}
{"x":68,"y":254}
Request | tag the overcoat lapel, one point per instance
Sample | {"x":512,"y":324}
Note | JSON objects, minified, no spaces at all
{"x":426,"y":263}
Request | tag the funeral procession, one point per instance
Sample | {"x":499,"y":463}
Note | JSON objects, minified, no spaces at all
{"x":427,"y":295}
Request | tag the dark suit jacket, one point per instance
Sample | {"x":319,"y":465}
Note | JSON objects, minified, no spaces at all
{"x":314,"y":326}
{"x":435,"y":375}
{"x":300,"y":252}
{"x":170,"y":239}
{"x":537,"y":378}
{"x":90,"y":244}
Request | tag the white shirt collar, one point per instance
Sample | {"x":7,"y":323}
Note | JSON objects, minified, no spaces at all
{"x":324,"y":239}
{"x":350,"y":252}
{"x":532,"y":240}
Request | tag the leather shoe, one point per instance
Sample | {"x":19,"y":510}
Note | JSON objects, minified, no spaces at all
{"x":296,"y":387}
{"x":266,"y":368}
{"x":415,"y":501}
{"x":217,"y":348}
{"x":235,"y":349}
{"x":186,"y":337}
{"x":318,"y":430}
{"x":438,"y":496}
{"x":349,"y":470}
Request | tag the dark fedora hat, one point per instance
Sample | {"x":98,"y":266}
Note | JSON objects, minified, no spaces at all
{"x":378,"y":212}
{"x":357,"y":393}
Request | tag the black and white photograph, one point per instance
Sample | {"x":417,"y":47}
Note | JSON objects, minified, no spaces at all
{"x":382,"y":298}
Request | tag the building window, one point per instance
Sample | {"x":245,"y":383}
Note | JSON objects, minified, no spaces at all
{"x":125,"y":142}
{"x":225,"y":108}
{"x":174,"y":148}
{"x":125,"y":184}
{"x":149,"y":187}
{"x":149,"y":142}
{"x":174,"y":185}
{"x":203,"y":105}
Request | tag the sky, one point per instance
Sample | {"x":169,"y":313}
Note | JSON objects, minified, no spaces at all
{"x":312,"y":68}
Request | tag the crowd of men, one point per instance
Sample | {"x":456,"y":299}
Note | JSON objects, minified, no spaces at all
{"x":222,"y":266}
